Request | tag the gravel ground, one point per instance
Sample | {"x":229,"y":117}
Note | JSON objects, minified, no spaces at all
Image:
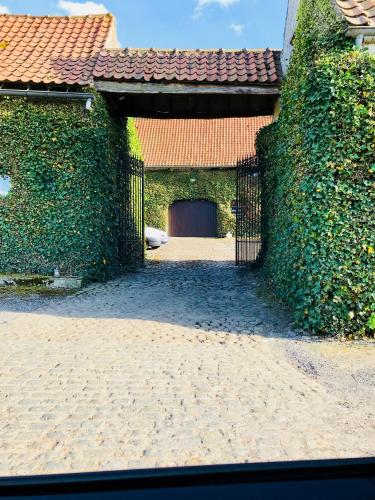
{"x":185,"y":362}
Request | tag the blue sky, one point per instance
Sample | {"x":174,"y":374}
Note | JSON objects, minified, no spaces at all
{"x":177,"y":23}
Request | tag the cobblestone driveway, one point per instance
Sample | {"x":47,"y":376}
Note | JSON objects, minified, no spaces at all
{"x":182,"y":363}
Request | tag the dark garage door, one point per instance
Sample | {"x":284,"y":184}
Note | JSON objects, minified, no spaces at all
{"x":193,"y":218}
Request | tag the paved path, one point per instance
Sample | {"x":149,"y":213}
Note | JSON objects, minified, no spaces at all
{"x":182,"y":363}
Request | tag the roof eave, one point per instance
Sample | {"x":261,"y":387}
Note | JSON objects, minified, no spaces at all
{"x":366,"y":31}
{"x":142,"y":87}
{"x":189,"y":167}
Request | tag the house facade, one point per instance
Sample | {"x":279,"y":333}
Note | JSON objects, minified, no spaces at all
{"x":190,"y":165}
{"x":60,"y":148}
{"x":358,"y":15}
{"x":66,"y":92}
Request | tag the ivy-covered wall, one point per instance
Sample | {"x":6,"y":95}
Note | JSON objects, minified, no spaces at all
{"x":319,"y":196}
{"x":164,"y":187}
{"x":133,"y":143}
{"x":62,"y":208}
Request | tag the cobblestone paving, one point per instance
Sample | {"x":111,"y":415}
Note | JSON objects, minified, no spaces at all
{"x":182,"y":363}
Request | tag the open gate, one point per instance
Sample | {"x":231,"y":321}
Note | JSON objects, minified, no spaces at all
{"x":131,"y":213}
{"x":248,"y":212}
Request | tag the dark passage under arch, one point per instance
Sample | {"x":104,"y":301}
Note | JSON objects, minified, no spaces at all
{"x":194,"y":218}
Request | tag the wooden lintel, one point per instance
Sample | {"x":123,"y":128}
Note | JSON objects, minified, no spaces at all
{"x":182,"y":88}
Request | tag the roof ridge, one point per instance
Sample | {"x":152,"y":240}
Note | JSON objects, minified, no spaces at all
{"x":203,"y":120}
{"x":31,"y":16}
{"x":147,"y":49}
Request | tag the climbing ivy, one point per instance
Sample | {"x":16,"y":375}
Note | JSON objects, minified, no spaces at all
{"x":133,"y":141}
{"x":165,"y":187}
{"x":318,"y":193}
{"x":62,"y":208}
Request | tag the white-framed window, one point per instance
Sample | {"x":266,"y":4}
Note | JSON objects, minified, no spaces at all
{"x":5,"y":185}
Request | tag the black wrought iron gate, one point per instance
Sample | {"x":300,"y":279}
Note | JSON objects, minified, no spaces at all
{"x":131,"y":213}
{"x":248,"y":211}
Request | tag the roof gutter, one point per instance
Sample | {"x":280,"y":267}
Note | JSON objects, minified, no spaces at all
{"x":361,"y":34}
{"x":49,"y":94}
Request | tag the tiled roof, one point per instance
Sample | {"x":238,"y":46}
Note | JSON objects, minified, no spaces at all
{"x":358,"y":12}
{"x":218,"y":66}
{"x":215,"y":142}
{"x":52,"y":49}
{"x":75,"y":50}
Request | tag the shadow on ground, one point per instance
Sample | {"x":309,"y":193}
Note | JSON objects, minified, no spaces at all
{"x":213,"y":296}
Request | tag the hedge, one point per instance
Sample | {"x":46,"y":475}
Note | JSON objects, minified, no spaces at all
{"x":318,"y":193}
{"x":133,"y":145}
{"x":62,"y":208}
{"x":162,"y":188}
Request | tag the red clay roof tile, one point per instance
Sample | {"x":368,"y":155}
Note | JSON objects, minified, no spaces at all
{"x":358,"y":12}
{"x":242,"y":66}
{"x":72,"y":50}
{"x":52,"y":49}
{"x":216,"y":142}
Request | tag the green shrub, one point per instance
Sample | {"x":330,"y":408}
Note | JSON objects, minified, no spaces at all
{"x":133,"y":141}
{"x":318,"y":216}
{"x":62,"y":209}
{"x":165,"y":187}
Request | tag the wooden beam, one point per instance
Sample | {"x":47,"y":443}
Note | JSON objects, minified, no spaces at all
{"x":182,"y":88}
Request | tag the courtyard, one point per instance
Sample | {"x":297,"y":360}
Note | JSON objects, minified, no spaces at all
{"x":186,"y":362}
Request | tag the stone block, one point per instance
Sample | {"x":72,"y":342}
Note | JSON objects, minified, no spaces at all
{"x":67,"y":282}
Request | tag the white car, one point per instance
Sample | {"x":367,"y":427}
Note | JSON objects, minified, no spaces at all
{"x":155,"y":238}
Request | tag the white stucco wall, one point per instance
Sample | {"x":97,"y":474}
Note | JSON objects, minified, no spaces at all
{"x":290,"y":25}
{"x":370,"y":47}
